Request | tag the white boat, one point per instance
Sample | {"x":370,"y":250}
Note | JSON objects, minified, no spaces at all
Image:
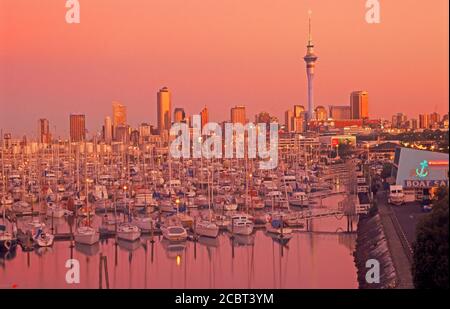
{"x":276,"y":227}
{"x":86,"y":235}
{"x":206,"y":228}
{"x":55,"y":210}
{"x":201,"y":201}
{"x":273,"y":198}
{"x":167,"y":206}
{"x":241,"y":224}
{"x":174,"y":233}
{"x":144,"y":223}
{"x":299,"y":199}
{"x":257,"y":203}
{"x":230,"y":206}
{"x":21,"y":207}
{"x":127,"y":231}
{"x":7,"y":241}
{"x":7,"y":200}
{"x":43,"y":239}
{"x":144,"y":200}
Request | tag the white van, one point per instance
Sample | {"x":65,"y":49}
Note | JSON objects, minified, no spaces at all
{"x":396,"y":195}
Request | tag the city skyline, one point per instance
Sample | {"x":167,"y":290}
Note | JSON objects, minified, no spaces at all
{"x":262,"y":81}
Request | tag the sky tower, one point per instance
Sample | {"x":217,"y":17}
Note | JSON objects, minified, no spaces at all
{"x":310,"y":60}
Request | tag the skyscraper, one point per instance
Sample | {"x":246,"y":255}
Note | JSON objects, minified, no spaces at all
{"x":321,"y":113}
{"x":108,"y":129}
{"x":119,"y":114}
{"x":288,"y":115}
{"x":44,"y":131}
{"x":424,"y":121}
{"x":204,"y":116}
{"x":298,"y":110}
{"x":339,"y":112}
{"x":310,"y":60}
{"x":238,"y":114}
{"x":359,"y":105}
{"x":178,"y":114}
{"x":77,"y":127}
{"x":164,"y":108}
{"x":435,"y":118}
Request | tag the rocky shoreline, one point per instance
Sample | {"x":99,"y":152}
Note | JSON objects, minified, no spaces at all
{"x":371,"y":243}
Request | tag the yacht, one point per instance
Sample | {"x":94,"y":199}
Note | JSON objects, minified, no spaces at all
{"x":7,"y":200}
{"x":276,"y":226}
{"x":55,"y":210}
{"x":144,"y":223}
{"x":241,"y":224}
{"x":43,"y":239}
{"x":206,"y":228}
{"x":7,"y":241}
{"x":127,"y":231}
{"x":174,"y":233}
{"x":299,"y":199}
{"x":86,"y":235}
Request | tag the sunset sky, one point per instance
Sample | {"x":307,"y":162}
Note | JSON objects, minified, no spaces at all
{"x":218,"y":54}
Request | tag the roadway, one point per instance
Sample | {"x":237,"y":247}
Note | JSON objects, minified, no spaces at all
{"x":408,"y":216}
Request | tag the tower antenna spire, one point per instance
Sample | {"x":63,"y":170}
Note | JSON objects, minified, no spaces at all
{"x":310,"y":43}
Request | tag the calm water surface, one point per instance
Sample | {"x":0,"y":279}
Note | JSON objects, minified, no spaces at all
{"x":319,"y":259}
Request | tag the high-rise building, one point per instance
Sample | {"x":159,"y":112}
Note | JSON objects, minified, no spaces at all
{"x":414,"y":125}
{"x":435,"y":118}
{"x":77,"y":127}
{"x":108,"y":130}
{"x":135,"y":137}
{"x":204,"y":116}
{"x":310,"y":60}
{"x":288,"y":116}
{"x":178,"y":115}
{"x":164,"y":107}
{"x":119,"y":113}
{"x":399,"y":121}
{"x":359,"y":105}
{"x":299,"y":123}
{"x":340,"y":112}
{"x":122,"y":133}
{"x":299,"y":110}
{"x":321,"y":113}
{"x":238,"y":115}
{"x":424,"y":121}
{"x":44,"y":131}
{"x":145,"y":130}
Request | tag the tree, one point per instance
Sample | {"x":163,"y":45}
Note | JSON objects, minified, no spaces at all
{"x":430,"y":265}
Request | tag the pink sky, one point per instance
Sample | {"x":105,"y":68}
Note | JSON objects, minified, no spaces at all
{"x":216,"y":53}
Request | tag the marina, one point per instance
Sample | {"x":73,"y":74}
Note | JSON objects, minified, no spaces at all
{"x":175,"y":224}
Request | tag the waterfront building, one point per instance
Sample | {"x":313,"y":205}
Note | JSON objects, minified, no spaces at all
{"x":420,"y":172}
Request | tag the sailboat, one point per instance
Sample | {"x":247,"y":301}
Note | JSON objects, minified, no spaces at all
{"x":206,"y":228}
{"x":43,"y":239}
{"x":7,"y":241}
{"x":127,"y":231}
{"x":241,"y":224}
{"x":55,"y":210}
{"x":276,"y":226}
{"x":86,"y":235}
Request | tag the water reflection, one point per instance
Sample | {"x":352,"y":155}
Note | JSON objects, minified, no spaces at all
{"x":319,"y":258}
